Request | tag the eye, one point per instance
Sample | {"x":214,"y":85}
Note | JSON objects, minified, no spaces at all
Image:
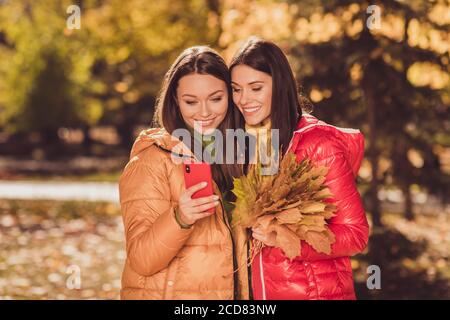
{"x":217,"y":99}
{"x":190,"y":102}
{"x":235,"y":89}
{"x":257,"y":89}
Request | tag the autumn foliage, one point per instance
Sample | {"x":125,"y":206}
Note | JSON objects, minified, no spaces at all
{"x":291,"y":204}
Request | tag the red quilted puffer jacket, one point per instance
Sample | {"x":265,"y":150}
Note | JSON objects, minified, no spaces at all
{"x":315,"y":275}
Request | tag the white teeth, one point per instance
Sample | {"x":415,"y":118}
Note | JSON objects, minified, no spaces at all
{"x":251,"y":109}
{"x":204,"y":122}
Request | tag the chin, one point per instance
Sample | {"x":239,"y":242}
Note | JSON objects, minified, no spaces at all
{"x":253,"y":121}
{"x":209,"y":130}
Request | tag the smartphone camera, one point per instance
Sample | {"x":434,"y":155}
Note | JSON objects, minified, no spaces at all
{"x":188,"y":169}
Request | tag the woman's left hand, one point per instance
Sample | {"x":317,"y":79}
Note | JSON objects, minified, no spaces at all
{"x":267,"y":238}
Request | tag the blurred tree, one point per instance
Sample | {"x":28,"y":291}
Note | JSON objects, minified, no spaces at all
{"x":367,"y":71}
{"x":110,"y":70}
{"x":136,"y":42}
{"x":45,"y":77}
{"x":389,"y":78}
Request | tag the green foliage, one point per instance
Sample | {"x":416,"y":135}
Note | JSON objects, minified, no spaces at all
{"x":108,"y":72}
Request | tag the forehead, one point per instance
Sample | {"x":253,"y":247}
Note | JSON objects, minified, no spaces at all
{"x":199,"y":84}
{"x":243,"y":74}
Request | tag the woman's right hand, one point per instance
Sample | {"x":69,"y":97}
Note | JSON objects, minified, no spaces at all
{"x":192,"y":210}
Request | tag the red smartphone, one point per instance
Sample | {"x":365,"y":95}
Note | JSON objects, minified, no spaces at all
{"x":196,"y":172}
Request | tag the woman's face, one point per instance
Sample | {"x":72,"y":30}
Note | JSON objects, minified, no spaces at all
{"x":252,"y":93}
{"x":203,"y":101}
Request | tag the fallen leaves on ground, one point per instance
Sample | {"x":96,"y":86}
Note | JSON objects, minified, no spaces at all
{"x":45,"y":245}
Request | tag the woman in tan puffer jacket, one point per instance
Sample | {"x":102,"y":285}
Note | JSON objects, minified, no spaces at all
{"x":175,"y":248}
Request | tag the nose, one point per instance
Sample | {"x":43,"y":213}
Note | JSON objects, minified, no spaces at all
{"x":243,"y":98}
{"x":204,"y":111}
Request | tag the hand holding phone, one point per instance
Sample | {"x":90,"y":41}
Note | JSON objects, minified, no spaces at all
{"x":195,"y":173}
{"x":198,"y":200}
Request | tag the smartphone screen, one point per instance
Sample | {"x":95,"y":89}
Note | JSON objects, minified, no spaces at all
{"x":195,"y":173}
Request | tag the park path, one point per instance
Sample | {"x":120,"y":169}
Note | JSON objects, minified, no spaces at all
{"x":52,"y":190}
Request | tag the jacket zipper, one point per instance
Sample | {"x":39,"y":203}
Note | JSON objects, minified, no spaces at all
{"x":249,"y":271}
{"x":235,"y":280}
{"x":261,"y":274}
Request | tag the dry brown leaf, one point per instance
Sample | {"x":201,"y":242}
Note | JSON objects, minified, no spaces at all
{"x":288,"y":241}
{"x":290,"y":216}
{"x":323,"y":194}
{"x":312,"y":207}
{"x":290,"y":204}
{"x":264,"y":221}
{"x":310,"y":220}
{"x":319,"y":241}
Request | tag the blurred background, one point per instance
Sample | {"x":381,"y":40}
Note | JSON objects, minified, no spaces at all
{"x":73,"y":99}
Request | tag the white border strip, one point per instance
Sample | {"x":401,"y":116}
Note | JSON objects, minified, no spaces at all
{"x":347,"y":130}
{"x":262,"y":276}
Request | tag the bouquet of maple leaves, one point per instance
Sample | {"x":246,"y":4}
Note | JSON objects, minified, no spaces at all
{"x":289,"y":204}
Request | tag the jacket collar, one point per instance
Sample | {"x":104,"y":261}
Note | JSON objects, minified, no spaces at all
{"x":352,"y":139}
{"x":162,"y":139}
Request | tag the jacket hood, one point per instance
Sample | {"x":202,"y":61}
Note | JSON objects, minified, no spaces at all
{"x":161,"y":138}
{"x":353,"y":139}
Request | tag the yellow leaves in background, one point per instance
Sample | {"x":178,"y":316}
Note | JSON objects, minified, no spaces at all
{"x":319,"y":28}
{"x":422,"y":35}
{"x":241,"y":19}
{"x":427,"y":74}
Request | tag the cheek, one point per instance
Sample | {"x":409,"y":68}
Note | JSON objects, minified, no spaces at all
{"x":235,"y":98}
{"x":187,"y":112}
{"x":220,"y":109}
{"x":267,"y":100}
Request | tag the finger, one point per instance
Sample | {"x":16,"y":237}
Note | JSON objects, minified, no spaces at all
{"x":190,"y":191}
{"x":202,"y":215}
{"x":257,"y":229}
{"x":206,"y":206}
{"x":203,"y":200}
{"x":258,"y":237}
{"x":259,"y":234}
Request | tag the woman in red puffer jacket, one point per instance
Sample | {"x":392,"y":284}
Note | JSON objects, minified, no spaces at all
{"x":265,"y":91}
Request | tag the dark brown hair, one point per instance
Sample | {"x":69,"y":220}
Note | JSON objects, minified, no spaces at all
{"x":206,"y":61}
{"x":287,"y":103}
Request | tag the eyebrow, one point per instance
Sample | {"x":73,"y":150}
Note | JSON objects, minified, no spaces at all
{"x":193,"y":96}
{"x":253,"y":82}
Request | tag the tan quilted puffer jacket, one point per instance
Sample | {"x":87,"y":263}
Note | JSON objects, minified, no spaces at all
{"x":164,"y":261}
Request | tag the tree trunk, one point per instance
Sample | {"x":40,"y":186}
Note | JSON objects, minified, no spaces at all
{"x":126,"y":133}
{"x":373,"y":152}
{"x":51,"y":143}
{"x":87,"y":140}
{"x":409,"y":214}
{"x":214,"y":7}
{"x":408,"y":210}
{"x":373,"y":158}
{"x":49,"y":137}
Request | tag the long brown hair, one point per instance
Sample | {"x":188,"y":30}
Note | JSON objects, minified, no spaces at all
{"x":206,"y":61}
{"x":287,"y":103}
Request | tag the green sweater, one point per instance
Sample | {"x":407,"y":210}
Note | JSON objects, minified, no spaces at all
{"x":206,"y":141}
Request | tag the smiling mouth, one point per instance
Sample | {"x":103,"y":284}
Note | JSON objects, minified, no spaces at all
{"x":204,"y":123}
{"x":251,"y":110}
